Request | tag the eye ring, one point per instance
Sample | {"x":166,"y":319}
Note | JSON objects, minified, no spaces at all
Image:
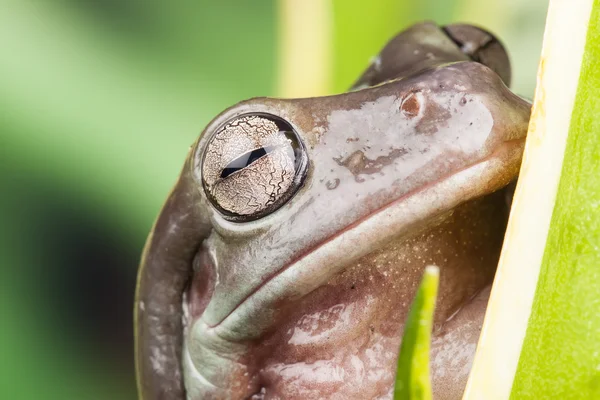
{"x":252,"y":165}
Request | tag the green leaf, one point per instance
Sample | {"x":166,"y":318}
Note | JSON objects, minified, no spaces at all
{"x":412,"y":379}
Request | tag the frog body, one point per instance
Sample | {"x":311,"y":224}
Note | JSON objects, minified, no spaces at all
{"x":287,"y":254}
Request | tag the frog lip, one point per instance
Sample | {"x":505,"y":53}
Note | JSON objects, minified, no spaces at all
{"x":305,"y":273}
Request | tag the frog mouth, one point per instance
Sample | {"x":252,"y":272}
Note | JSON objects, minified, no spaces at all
{"x":313,"y":281}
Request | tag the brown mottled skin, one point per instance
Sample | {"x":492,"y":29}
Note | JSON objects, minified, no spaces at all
{"x":309,"y":302}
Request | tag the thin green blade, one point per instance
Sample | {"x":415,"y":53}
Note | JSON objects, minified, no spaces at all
{"x":412,"y":379}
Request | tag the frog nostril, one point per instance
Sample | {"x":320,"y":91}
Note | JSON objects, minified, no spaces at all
{"x":411,"y":105}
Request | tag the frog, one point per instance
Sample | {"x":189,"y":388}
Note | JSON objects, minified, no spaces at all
{"x":285,"y":259}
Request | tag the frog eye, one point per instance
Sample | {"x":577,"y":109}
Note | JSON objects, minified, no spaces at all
{"x":253,"y":165}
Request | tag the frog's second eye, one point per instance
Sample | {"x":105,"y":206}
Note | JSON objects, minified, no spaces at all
{"x":252,"y":165}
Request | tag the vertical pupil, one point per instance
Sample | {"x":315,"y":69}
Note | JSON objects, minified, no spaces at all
{"x":246,"y":159}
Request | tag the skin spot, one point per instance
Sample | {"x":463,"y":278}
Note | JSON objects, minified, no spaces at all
{"x":332,"y":184}
{"x":158,"y":360}
{"x":359,"y":164}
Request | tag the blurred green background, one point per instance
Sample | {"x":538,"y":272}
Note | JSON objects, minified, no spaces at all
{"x":99,"y":101}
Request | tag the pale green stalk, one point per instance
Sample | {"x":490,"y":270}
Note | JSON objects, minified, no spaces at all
{"x":541,"y":333}
{"x":305,"y":53}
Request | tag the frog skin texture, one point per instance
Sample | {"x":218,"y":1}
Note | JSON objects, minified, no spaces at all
{"x":285,"y":259}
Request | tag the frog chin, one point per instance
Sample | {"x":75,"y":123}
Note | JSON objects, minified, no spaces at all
{"x":330,"y":324}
